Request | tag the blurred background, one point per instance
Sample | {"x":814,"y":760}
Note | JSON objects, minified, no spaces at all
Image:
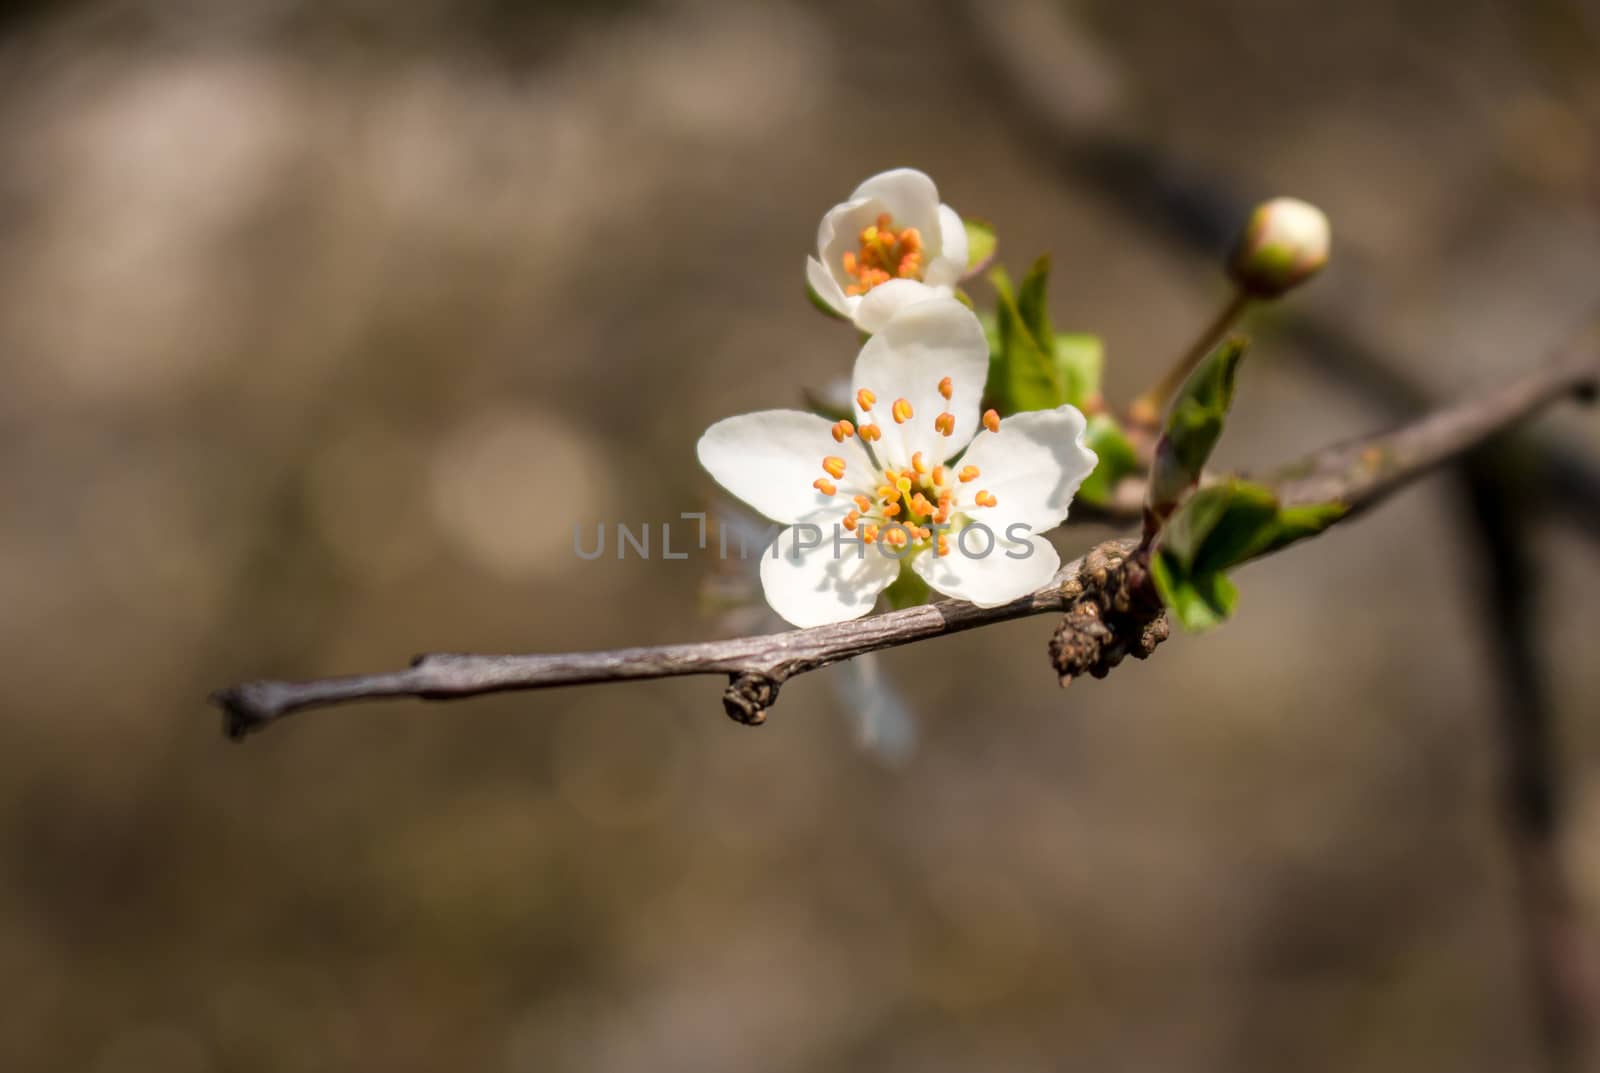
{"x":321,"y":326}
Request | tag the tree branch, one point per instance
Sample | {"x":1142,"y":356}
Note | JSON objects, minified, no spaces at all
{"x":1356,"y":474}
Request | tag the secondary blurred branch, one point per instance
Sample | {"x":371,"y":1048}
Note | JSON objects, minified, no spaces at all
{"x":1356,"y":475}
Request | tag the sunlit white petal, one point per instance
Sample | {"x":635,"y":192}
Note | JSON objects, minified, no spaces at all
{"x":993,"y":579}
{"x":771,"y":460}
{"x":810,"y":582}
{"x":907,"y":359}
{"x":1033,"y":466}
{"x":825,"y":287}
{"x":951,"y":263}
{"x":874,"y":311}
{"x":906,"y":194}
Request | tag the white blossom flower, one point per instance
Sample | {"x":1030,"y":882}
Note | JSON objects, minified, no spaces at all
{"x":890,"y":245}
{"x":861,"y":498}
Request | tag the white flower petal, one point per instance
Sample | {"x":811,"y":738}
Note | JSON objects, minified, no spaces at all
{"x":907,"y":195}
{"x":828,"y":229}
{"x":1033,"y":465}
{"x":880,"y":304}
{"x":825,"y":287}
{"x":816,"y":585}
{"x":993,"y":579}
{"x":771,"y":459}
{"x":907,"y":358}
{"x":950,"y":263}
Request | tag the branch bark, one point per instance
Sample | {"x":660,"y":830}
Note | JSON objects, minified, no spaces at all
{"x":1356,"y":474}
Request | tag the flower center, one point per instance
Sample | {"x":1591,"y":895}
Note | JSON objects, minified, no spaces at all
{"x":885,"y":254}
{"x":916,"y":506}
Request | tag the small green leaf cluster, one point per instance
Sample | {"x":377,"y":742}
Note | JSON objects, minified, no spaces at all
{"x":1034,"y":367}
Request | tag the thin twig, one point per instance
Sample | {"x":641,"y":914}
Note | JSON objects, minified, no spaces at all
{"x":1356,"y":475}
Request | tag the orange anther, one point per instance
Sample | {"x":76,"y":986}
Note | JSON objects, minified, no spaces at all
{"x":891,"y":510}
{"x":871,"y":433}
{"x":920,"y":504}
{"x":863,"y":503}
{"x":833,"y":465}
{"x":870,"y":534}
{"x":825,"y":486}
{"x":985,"y":499}
{"x":947,"y":387}
{"x":917,"y":462}
{"x":938,"y":475}
{"x":850,"y":521}
{"x":991,"y":421}
{"x":843,"y":430}
{"x":944,"y":545}
{"x":866,"y":399}
{"x":901,"y":411}
{"x":968,"y":473}
{"x":945,"y":423}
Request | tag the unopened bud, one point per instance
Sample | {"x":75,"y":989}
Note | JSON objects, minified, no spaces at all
{"x":1285,"y":244}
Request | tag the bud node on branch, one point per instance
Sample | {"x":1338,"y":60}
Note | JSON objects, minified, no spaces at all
{"x":1112,"y":612}
{"x":748,"y":697}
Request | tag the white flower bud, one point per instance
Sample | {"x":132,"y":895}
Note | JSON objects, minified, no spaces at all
{"x":1285,"y":244}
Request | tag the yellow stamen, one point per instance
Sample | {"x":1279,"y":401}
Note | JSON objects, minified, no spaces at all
{"x":968,"y":473}
{"x":901,"y":411}
{"x":884,"y":254}
{"x":833,"y":465}
{"x":903,"y":484}
{"x":991,"y":421}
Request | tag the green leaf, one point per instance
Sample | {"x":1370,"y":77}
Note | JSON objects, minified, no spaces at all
{"x":1296,"y":523}
{"x":1032,"y":302}
{"x":1215,"y":529}
{"x":982,"y":244}
{"x":1198,"y":603}
{"x":1118,"y":459}
{"x":1193,"y":427}
{"x":1218,"y":528}
{"x":1022,"y":375}
{"x":1079,"y":359}
{"x":1195,"y":423}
